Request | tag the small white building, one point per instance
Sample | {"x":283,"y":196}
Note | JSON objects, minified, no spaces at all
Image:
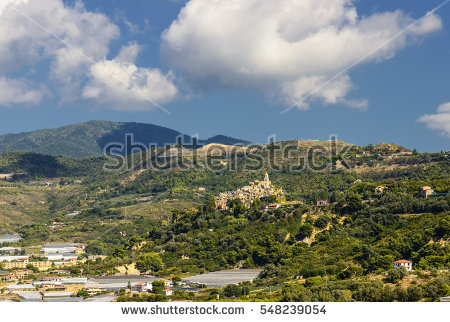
{"x":426,"y":191}
{"x":143,"y":287}
{"x":403,"y":263}
{"x":168,"y":292}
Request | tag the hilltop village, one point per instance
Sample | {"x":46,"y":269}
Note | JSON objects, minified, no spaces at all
{"x":256,"y":189}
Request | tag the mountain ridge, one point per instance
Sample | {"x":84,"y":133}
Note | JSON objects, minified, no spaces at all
{"x":89,"y":139}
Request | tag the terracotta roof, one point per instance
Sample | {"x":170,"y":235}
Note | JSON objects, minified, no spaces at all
{"x":403,"y":261}
{"x":426,"y":188}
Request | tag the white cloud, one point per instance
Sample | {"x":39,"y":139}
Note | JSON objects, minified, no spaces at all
{"x":439,"y":121}
{"x":129,"y":53}
{"x":444,"y":108}
{"x":291,"y":46}
{"x":291,"y":92}
{"x":24,"y":40}
{"x":75,"y":43}
{"x":20,"y":91}
{"x":119,"y":84}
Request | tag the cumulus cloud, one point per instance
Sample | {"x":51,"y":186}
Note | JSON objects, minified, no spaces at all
{"x":20,"y":91}
{"x":287,"y":46}
{"x":439,"y":121}
{"x":34,"y":30}
{"x":75,"y":43}
{"x":312,"y":85}
{"x":121,"y":85}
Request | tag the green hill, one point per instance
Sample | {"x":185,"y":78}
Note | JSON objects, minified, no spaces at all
{"x":390,"y":147}
{"x":90,"y":138}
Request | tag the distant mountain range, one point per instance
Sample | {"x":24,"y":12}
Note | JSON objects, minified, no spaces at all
{"x":89,"y":138}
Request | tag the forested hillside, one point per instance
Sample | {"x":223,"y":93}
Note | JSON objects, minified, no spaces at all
{"x":89,"y":139}
{"x":165,"y":223}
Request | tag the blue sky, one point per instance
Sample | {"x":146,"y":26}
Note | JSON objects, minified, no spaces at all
{"x":209,"y":75}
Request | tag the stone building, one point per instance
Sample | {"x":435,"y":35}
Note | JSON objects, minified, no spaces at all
{"x":247,"y":194}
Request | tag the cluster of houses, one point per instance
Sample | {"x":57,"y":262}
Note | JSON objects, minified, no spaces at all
{"x":247,"y":194}
{"x":145,"y":287}
{"x":140,"y":287}
{"x":15,"y":275}
{"x":51,"y":256}
{"x":55,"y":286}
{"x":388,"y":156}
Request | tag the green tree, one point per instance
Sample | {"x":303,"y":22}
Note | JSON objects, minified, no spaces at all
{"x":354,"y":202}
{"x":209,"y":206}
{"x":401,"y":294}
{"x":387,"y":295}
{"x":176,"y":279}
{"x":350,"y":272}
{"x":396,"y":275}
{"x":314,"y":281}
{"x":232,"y":290}
{"x":305,"y":231}
{"x":148,"y":262}
{"x":321,"y":222}
{"x":415,"y":293}
{"x":158,"y":286}
{"x":443,"y":229}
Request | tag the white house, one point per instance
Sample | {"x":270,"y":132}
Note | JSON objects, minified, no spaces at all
{"x":168,"y":292}
{"x":403,"y":263}
{"x":143,"y":287}
{"x":426,"y":191}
